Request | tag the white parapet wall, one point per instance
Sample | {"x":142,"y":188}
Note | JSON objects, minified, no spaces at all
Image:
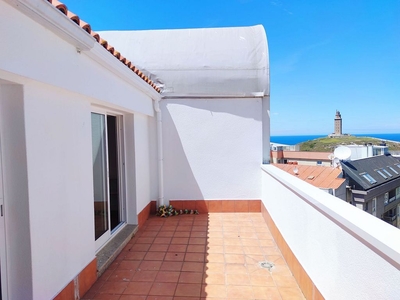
{"x":347,"y":253}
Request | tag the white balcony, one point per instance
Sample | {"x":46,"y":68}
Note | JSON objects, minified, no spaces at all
{"x":333,"y":249}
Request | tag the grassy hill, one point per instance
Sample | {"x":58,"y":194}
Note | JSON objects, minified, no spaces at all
{"x":328,"y":144}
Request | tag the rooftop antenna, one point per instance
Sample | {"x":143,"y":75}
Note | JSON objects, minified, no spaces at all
{"x":341,"y":153}
{"x":296,"y":171}
{"x":335,"y":162}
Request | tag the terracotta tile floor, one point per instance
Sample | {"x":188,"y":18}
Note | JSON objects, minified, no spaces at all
{"x":206,"y":256}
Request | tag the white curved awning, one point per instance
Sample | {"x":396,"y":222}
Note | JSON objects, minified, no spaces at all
{"x":210,"y":61}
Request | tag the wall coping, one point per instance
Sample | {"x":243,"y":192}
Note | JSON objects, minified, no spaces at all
{"x":380,"y":237}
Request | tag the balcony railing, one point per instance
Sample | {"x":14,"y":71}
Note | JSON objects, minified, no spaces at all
{"x":341,"y":251}
{"x":390,"y":218}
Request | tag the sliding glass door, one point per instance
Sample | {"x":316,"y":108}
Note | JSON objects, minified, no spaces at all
{"x":107,"y":175}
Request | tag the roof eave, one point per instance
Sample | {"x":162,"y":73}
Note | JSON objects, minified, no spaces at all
{"x":49,"y":16}
{"x":108,"y":61}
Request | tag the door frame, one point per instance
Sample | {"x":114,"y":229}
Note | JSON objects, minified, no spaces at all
{"x":102,"y":240}
{"x":3,"y":249}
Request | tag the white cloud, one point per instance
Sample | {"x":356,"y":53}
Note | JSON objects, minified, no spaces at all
{"x":280,"y":5}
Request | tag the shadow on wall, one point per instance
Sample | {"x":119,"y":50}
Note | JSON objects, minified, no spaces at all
{"x":240,"y":107}
{"x":212,"y":148}
{"x":177,"y":166}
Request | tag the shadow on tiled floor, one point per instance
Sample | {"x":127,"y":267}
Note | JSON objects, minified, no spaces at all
{"x":206,"y":256}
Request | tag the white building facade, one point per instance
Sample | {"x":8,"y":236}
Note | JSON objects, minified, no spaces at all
{"x":58,"y":89}
{"x":88,"y":144}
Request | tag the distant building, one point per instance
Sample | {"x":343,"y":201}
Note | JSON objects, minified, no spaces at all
{"x":374,"y":186}
{"x":338,"y":123}
{"x":368,"y":150}
{"x":327,"y":179}
{"x":281,"y":156}
{"x":337,"y":132}
{"x":275,"y":147}
{"x":371,"y":184}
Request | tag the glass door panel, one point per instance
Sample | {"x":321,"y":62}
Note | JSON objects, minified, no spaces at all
{"x":113,"y":171}
{"x":99,"y":174}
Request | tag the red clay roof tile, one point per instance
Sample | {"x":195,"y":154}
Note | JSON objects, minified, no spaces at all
{"x":95,"y":35}
{"x":85,"y":26}
{"x":110,"y":49}
{"x":60,"y":6}
{"x":318,"y":176}
{"x":123,"y":60}
{"x":73,"y":17}
{"x":103,"y":43}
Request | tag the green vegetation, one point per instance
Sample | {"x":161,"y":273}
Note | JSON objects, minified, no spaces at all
{"x":328,"y":144}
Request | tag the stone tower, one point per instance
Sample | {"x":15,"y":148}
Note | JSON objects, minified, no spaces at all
{"x":338,"y":123}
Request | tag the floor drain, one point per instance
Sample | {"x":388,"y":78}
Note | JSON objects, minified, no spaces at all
{"x":266,"y":265}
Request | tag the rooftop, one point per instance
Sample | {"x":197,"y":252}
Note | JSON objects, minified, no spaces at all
{"x":318,"y":176}
{"x":372,"y":171}
{"x":87,"y":28}
{"x":306,"y":155}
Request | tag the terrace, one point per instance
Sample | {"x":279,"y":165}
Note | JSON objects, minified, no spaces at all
{"x":319,"y":248}
{"x":47,"y":246}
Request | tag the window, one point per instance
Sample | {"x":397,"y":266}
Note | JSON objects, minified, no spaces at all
{"x":374,"y":206}
{"x":386,"y":198}
{"x":380,"y":173}
{"x":394,"y":171}
{"x":319,"y":162}
{"x":390,"y":216}
{"x":397,"y":192}
{"x":370,"y":179}
{"x":387,"y":173}
{"x":392,"y":195}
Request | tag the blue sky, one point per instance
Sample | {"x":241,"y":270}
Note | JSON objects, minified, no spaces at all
{"x":324,"y":55}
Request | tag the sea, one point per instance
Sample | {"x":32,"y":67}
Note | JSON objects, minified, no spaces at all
{"x":296,"y":139}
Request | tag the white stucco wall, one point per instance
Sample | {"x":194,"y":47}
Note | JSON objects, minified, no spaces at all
{"x":16,"y":197}
{"x":130,"y":169}
{"x":154,"y":159}
{"x":35,"y":52}
{"x":47,"y":92}
{"x":59,"y":159}
{"x":212,"y":148}
{"x":334,"y":240}
{"x":142,"y":161}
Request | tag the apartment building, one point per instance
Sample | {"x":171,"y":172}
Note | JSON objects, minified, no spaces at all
{"x":374,"y":186}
